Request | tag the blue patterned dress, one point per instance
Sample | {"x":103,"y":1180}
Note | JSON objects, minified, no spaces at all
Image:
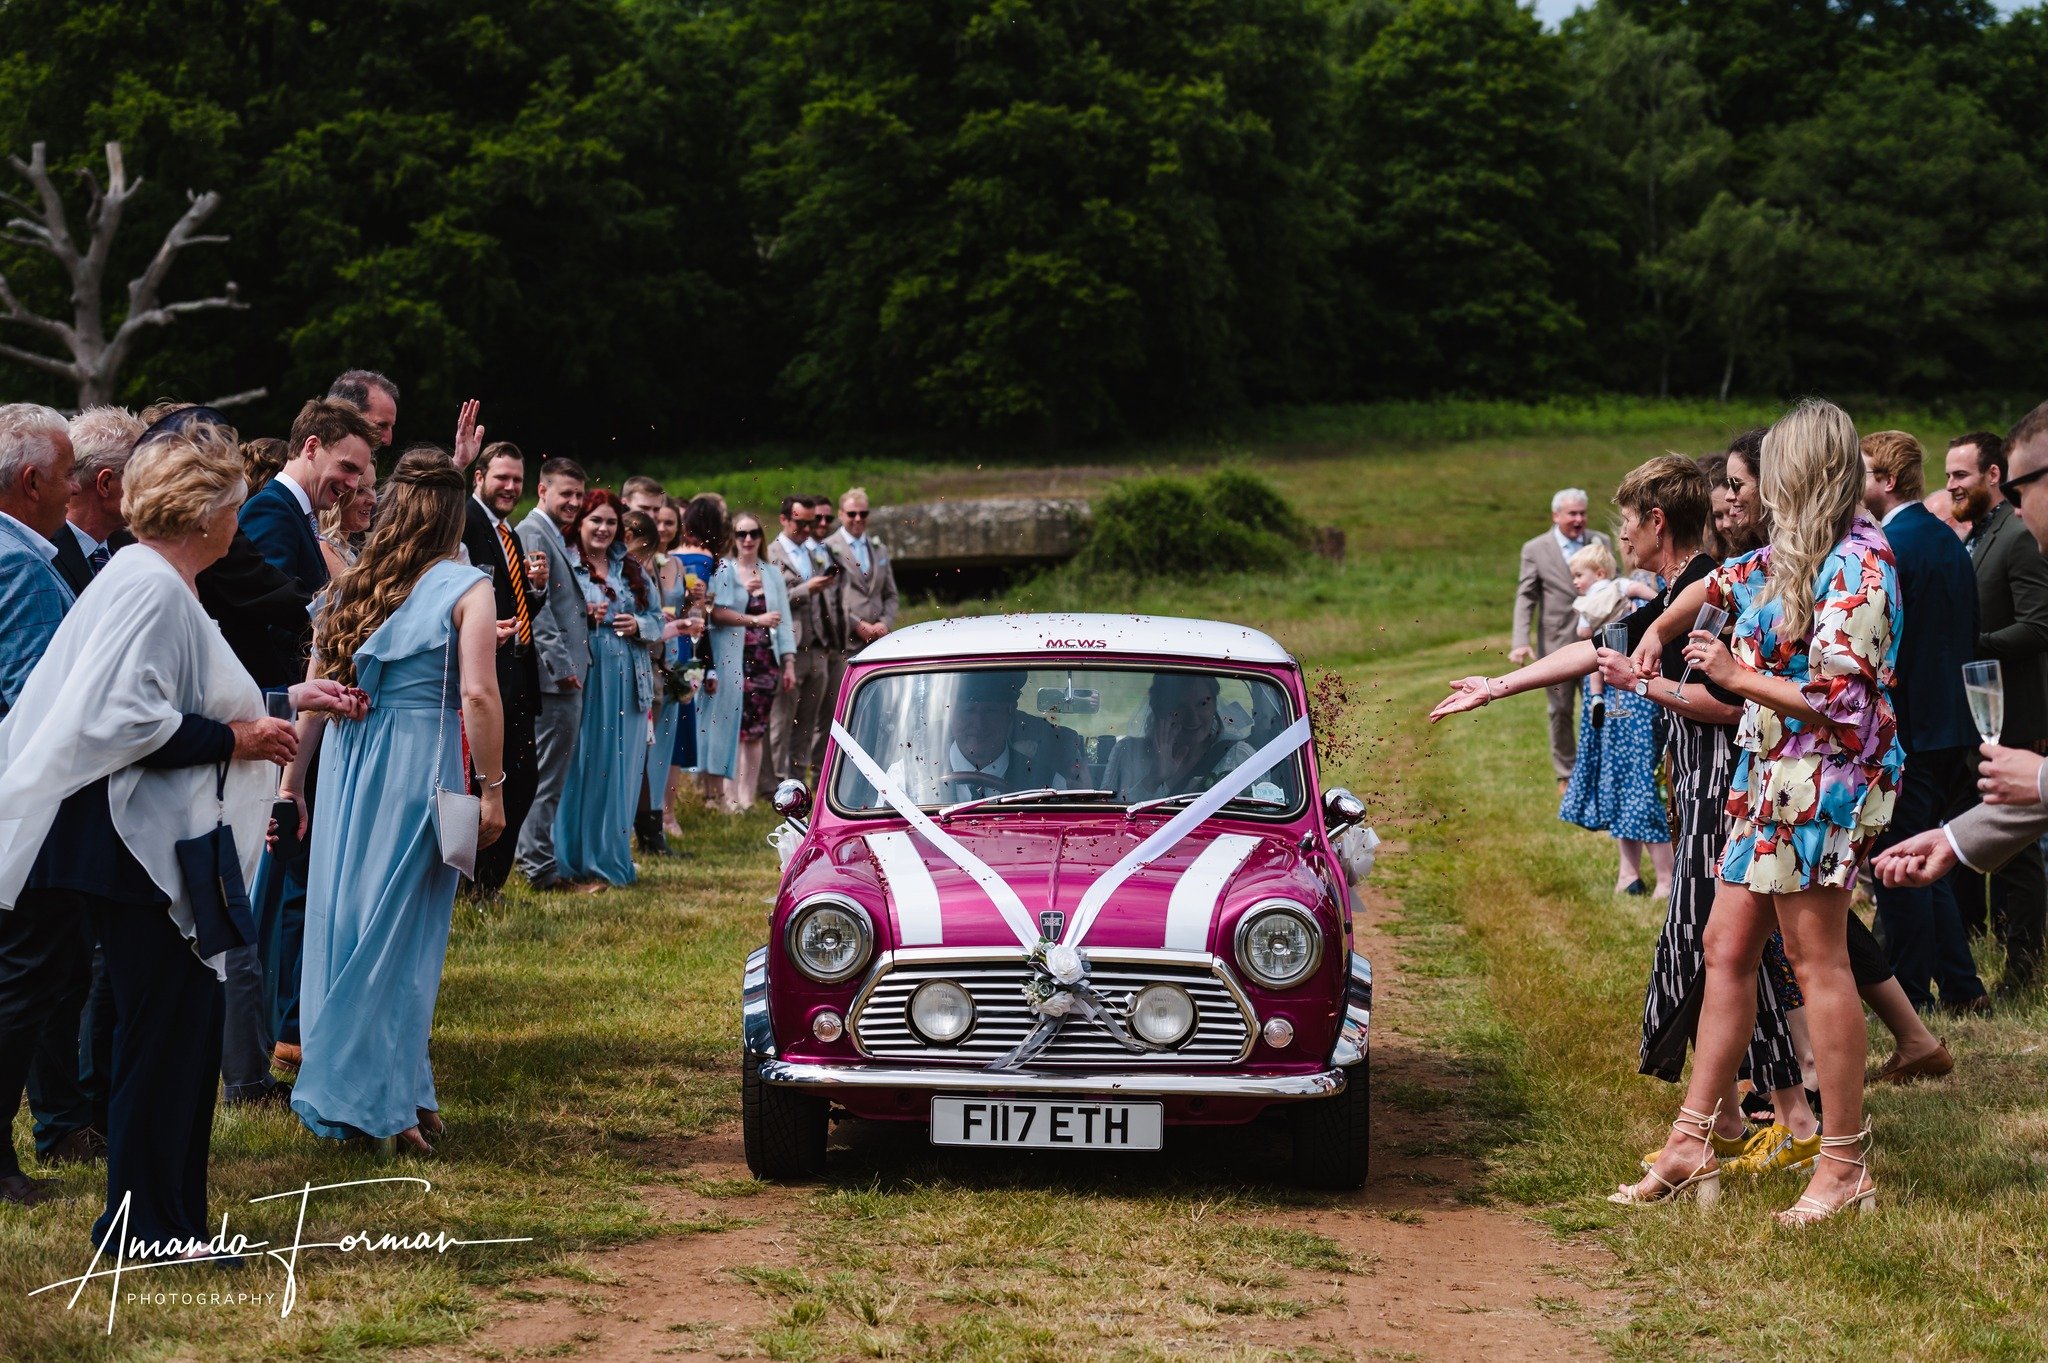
{"x":594,"y":823}
{"x":378,"y":896}
{"x":1614,"y":780}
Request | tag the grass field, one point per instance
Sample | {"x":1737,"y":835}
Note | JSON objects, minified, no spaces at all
{"x":578,"y":1040}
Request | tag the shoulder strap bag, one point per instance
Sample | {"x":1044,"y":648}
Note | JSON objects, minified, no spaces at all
{"x":458,"y":815}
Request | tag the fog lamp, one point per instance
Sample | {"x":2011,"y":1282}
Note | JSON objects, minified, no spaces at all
{"x":941,"y":1011}
{"x":1162,"y":1014}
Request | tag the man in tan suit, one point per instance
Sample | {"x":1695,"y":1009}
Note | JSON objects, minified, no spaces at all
{"x":867,"y":581}
{"x":1544,"y":619}
{"x":2012,"y":781}
{"x":793,"y":723}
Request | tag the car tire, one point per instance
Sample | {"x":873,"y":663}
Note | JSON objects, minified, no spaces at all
{"x":784,"y":1129}
{"x":1333,"y":1136}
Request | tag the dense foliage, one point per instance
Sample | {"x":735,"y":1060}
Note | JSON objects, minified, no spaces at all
{"x":653,"y":222}
{"x":1182,"y":528}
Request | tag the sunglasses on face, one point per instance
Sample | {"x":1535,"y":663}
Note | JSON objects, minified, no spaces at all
{"x":854,"y":515}
{"x":801,"y":522}
{"x":746,"y":534}
{"x":2011,"y":487}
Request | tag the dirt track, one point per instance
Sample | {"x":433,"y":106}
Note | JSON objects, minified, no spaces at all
{"x":1448,"y":1280}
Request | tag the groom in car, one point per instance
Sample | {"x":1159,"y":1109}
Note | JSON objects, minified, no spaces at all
{"x":990,"y":749}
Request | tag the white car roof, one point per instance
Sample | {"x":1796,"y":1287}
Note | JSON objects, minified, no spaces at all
{"x":1075,"y":635}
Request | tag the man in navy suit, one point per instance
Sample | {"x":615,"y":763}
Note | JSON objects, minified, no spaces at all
{"x":331,"y":444}
{"x":1922,"y":926}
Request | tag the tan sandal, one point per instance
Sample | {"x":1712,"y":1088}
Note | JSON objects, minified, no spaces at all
{"x":1703,"y":1184}
{"x":1809,"y":1209}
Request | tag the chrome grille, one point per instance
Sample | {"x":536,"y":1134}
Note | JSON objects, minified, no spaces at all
{"x":881,"y":1023}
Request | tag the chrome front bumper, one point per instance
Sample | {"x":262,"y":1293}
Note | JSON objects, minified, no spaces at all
{"x":797,"y":1074}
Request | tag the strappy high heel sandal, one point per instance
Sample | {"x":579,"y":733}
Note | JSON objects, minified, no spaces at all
{"x":1703,"y":1184}
{"x":1809,"y":1209}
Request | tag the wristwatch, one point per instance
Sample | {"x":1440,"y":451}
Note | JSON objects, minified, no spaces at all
{"x":1640,"y":687}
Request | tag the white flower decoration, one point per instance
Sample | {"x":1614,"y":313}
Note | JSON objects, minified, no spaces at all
{"x":1064,"y":964}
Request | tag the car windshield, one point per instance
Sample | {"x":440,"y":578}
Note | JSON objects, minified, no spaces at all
{"x":1143,"y":734}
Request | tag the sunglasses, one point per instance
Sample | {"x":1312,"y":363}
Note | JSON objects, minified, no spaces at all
{"x":2011,"y":486}
{"x":801,"y":522}
{"x":854,"y":515}
{"x":746,"y":534}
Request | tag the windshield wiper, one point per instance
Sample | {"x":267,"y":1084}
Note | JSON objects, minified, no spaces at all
{"x":1019,"y":797}
{"x":1143,"y":805}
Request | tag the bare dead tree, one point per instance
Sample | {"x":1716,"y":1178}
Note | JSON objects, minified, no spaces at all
{"x":95,"y":358}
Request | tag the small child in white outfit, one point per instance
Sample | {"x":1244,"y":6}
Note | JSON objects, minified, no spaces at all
{"x":1603,"y":600}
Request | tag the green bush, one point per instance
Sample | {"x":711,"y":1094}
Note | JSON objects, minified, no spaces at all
{"x":1230,"y":521}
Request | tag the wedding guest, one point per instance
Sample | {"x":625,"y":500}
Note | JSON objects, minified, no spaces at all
{"x":594,"y":824}
{"x":705,"y":545}
{"x":1664,"y":510}
{"x":1924,"y":939}
{"x":793,"y":725}
{"x":1748,"y":525}
{"x":642,"y":534}
{"x":1815,"y":647}
{"x":833,"y":633}
{"x":102,"y":438}
{"x":344,"y":525}
{"x":641,"y":493}
{"x":2012,"y":627}
{"x":1613,"y":786}
{"x":262,"y":460}
{"x":416,"y":631}
{"x":91,"y":816}
{"x":867,"y":589}
{"x":1544,"y":620}
{"x":682,"y":597}
{"x":517,"y":579}
{"x":375,"y":396}
{"x":561,"y":640}
{"x":753,"y":646}
{"x":331,"y":443}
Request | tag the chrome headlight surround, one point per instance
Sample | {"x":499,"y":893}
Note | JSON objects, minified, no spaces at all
{"x":864,"y":936}
{"x":1265,"y":909}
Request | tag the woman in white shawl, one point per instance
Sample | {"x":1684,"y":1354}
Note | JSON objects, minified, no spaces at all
{"x":133,"y":718}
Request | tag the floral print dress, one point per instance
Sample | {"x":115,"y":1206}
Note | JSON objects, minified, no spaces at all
{"x":1808,"y":798}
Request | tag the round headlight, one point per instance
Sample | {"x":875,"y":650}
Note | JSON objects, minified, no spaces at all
{"x":941,"y":1011}
{"x":1162,"y":1014}
{"x":830,"y":940}
{"x":1279,"y":945}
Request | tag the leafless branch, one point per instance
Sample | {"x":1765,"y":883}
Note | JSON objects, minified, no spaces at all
{"x":63,"y":369}
{"x":17,"y":313}
{"x":241,"y":399}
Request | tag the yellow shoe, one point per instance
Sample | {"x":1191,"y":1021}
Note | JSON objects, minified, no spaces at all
{"x":1776,"y":1151}
{"x":1725,"y":1147}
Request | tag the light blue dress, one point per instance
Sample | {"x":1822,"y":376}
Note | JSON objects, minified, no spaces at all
{"x":378,"y":896}
{"x":674,"y":654}
{"x":594,"y":823}
{"x":718,"y":717}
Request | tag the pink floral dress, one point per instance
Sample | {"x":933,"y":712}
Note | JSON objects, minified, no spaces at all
{"x":1808,"y":798}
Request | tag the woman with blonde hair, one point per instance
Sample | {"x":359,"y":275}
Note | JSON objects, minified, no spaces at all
{"x":344,"y":526}
{"x":416,"y":631}
{"x":1817,"y":620}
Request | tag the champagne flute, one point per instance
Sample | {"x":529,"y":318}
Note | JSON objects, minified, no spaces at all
{"x":1614,"y":638}
{"x":1984,"y":686}
{"x":278,"y":705}
{"x":1708,"y":621}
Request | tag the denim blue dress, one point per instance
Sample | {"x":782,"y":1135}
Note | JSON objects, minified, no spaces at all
{"x":674,"y":654}
{"x":378,"y":896}
{"x":594,"y":824}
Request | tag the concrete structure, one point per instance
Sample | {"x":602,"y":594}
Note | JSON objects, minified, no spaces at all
{"x":982,"y":532}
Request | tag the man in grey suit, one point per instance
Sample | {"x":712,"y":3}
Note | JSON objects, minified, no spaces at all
{"x":2006,"y":828}
{"x":1544,"y":619}
{"x":793,"y":723}
{"x":561,"y":638}
{"x":2012,"y":627}
{"x":867,"y":589}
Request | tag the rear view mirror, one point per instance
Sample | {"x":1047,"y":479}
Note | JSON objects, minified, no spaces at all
{"x":1060,"y":700}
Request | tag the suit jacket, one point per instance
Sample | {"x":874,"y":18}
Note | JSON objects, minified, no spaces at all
{"x":518,"y":668}
{"x":72,"y":564}
{"x":1544,"y":618}
{"x":804,"y":604}
{"x":283,"y":535}
{"x":2012,"y":619}
{"x":561,"y":631}
{"x":1938,"y":594}
{"x":261,"y":612}
{"x":1988,"y":836}
{"x":33,"y":600}
{"x":870,"y":595}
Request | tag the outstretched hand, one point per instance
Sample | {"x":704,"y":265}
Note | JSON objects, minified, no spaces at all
{"x":1467,"y":693}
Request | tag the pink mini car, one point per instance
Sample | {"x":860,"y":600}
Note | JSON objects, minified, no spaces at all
{"x":1070,"y":881}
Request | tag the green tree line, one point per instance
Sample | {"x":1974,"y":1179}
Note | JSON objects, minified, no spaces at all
{"x":634,"y":223}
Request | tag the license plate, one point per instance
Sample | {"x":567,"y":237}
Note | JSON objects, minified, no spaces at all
{"x":1047,"y":1124}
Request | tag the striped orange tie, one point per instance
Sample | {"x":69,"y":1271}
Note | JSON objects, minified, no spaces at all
{"x":518,"y":571}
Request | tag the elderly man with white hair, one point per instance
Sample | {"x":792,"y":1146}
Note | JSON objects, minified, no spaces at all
{"x":102,"y":438}
{"x":1544,"y":619}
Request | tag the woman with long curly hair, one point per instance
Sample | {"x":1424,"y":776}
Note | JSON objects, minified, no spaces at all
{"x":1817,"y":619}
{"x":594,"y":823}
{"x":417,"y":631}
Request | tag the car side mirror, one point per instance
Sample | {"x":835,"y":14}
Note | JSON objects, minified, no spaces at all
{"x":793,"y":801}
{"x":1342,"y":809}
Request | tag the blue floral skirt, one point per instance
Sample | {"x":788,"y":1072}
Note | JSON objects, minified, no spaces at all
{"x":1613,"y":786}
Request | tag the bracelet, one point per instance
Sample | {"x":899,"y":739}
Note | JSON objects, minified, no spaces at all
{"x":1489,"y":689}
{"x":493,"y":785}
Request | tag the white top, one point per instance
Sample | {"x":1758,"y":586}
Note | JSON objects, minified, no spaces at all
{"x":1076,"y":636}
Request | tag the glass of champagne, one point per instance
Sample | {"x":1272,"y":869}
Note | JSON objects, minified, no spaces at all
{"x":1984,"y":685}
{"x":1708,"y":621}
{"x":278,"y":705}
{"x":1614,"y":638}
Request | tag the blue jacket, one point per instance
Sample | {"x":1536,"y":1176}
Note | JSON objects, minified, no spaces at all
{"x":280,"y":531}
{"x":33,"y":599}
{"x":1939,"y":589}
